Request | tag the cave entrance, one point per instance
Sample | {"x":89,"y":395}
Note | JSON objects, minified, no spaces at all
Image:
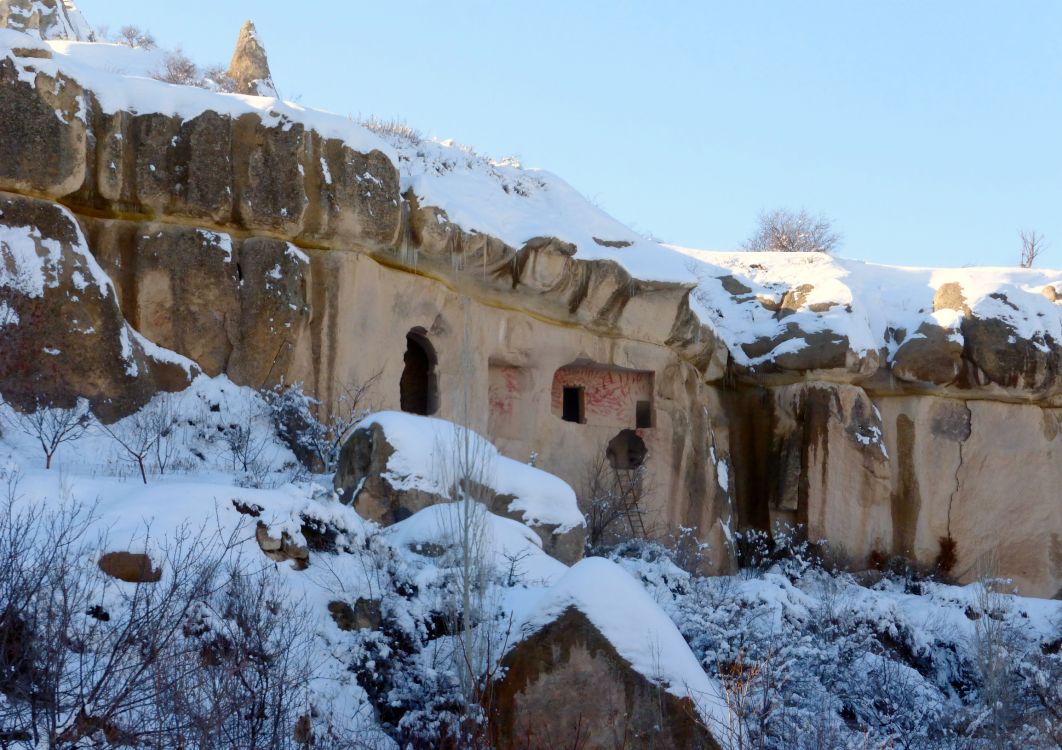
{"x":626,"y":451}
{"x":419,"y":392}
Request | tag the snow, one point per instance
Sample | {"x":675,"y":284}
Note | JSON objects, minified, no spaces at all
{"x":422,"y":448}
{"x":863,"y":300}
{"x":675,"y":629}
{"x":506,"y":540}
{"x":514,"y":204}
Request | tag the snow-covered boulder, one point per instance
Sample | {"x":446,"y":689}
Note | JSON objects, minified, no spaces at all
{"x":597,"y":659}
{"x":396,"y":464}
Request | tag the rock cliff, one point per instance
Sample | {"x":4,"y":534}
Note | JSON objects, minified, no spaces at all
{"x":884,"y":408}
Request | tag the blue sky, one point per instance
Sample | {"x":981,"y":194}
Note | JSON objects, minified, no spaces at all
{"x":929,"y":132}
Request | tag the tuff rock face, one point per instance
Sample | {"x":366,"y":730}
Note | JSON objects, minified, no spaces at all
{"x":249,"y":68}
{"x":257,"y":246}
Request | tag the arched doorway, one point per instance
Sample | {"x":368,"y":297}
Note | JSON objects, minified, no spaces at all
{"x":626,"y":451}
{"x":419,"y":393}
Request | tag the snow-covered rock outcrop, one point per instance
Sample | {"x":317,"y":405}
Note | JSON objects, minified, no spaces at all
{"x":862,"y":400}
{"x":395,"y":464}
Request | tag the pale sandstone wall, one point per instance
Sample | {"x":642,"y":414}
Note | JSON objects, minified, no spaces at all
{"x":192,"y":220}
{"x":362,"y":311}
{"x":892,"y":474}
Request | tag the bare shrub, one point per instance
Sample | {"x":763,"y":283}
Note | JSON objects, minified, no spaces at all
{"x":246,"y":442}
{"x":792,"y":232}
{"x":53,"y":426}
{"x":178,"y":68}
{"x":993,"y":656}
{"x":613,"y":502}
{"x":393,"y":129}
{"x":247,"y":684}
{"x":133,"y":36}
{"x":79,"y":648}
{"x":209,"y":656}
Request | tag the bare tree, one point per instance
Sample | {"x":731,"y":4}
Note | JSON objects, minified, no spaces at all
{"x":133,"y":36}
{"x":247,"y":441}
{"x":792,"y":232}
{"x":178,"y":68}
{"x":52,"y":426}
{"x":464,"y":464}
{"x":146,"y":432}
{"x":1032,"y":245}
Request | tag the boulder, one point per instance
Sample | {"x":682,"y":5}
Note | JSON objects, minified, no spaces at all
{"x":1008,"y":359}
{"x":131,"y":567}
{"x":281,"y":549}
{"x":949,"y":296}
{"x":364,"y":615}
{"x":932,"y":355}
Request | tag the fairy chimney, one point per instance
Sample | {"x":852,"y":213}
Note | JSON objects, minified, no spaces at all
{"x":249,"y":68}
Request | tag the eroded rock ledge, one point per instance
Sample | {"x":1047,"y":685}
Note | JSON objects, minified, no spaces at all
{"x":244,"y":177}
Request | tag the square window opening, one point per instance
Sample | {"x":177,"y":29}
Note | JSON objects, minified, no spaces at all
{"x":572,"y":405}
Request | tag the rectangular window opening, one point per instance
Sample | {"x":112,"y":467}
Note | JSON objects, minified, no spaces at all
{"x":643,"y":414}
{"x":572,"y":404}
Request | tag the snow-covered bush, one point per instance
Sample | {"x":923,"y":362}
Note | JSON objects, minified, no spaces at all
{"x":316,"y":435}
{"x":809,"y":658}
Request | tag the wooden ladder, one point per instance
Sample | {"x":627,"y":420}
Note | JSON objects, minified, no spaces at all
{"x":627,"y":482}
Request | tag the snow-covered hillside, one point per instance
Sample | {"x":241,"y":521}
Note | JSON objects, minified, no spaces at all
{"x":219,"y":482}
{"x":788,"y":653}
